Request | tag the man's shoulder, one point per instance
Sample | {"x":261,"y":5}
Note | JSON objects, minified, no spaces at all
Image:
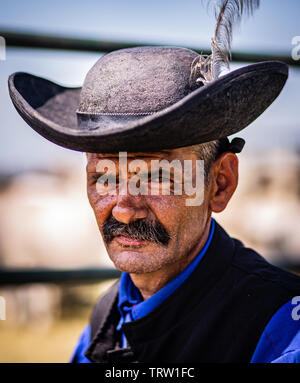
{"x":249,"y":263}
{"x":103,"y":307}
{"x":250,"y":279}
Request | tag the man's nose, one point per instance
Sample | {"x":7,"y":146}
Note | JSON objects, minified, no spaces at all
{"x":129,"y":208}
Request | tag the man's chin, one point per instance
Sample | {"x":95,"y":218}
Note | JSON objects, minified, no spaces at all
{"x":135,"y":261}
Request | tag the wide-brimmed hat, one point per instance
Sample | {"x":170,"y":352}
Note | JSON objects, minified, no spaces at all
{"x":146,"y":99}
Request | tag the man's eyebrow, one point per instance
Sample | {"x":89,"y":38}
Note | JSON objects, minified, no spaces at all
{"x":93,"y":158}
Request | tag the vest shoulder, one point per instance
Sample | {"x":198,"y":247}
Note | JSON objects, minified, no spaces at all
{"x":250,"y":263}
{"x":103,"y":307}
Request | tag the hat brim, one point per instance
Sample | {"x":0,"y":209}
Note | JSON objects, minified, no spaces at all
{"x":219,"y":109}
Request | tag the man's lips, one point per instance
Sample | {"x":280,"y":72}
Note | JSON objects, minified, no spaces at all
{"x":127,"y":241}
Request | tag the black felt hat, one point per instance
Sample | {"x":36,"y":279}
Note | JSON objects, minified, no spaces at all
{"x":146,"y":99}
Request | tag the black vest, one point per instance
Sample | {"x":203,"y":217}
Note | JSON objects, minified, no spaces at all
{"x":217,"y":315}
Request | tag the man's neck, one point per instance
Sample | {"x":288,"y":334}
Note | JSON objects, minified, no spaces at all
{"x":150,"y":283}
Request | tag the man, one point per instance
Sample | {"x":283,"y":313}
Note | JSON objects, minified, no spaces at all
{"x":147,"y":117}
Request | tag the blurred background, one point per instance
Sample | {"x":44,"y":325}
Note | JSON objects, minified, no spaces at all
{"x":46,"y":225}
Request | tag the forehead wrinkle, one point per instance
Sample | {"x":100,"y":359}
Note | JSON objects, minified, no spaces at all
{"x":131,"y":155}
{"x":167,"y":154}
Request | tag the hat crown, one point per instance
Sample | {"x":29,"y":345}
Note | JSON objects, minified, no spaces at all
{"x":139,"y":80}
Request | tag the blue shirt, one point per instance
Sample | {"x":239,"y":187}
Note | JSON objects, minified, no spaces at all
{"x":280,"y":341}
{"x":275,"y":345}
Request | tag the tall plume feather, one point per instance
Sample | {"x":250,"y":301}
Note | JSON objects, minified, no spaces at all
{"x":228,"y":14}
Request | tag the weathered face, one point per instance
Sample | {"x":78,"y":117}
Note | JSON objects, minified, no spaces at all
{"x":145,"y":233}
{"x":176,"y":227}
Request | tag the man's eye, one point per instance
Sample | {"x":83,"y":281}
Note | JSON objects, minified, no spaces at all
{"x":164,"y":179}
{"x":105,"y":179}
{"x":108,"y":180}
{"x":159,"y":177}
{"x":111,"y":180}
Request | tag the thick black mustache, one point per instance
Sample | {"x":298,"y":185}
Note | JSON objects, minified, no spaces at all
{"x":139,"y":229}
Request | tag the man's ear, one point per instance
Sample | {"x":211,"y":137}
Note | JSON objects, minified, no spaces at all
{"x":224,"y":180}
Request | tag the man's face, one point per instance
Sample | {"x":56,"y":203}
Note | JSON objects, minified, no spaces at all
{"x":144,"y":233}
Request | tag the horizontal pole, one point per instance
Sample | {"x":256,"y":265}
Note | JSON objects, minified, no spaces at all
{"x":10,"y":276}
{"x":31,"y":40}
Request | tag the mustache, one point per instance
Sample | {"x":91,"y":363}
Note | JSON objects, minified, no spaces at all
{"x":141,"y":229}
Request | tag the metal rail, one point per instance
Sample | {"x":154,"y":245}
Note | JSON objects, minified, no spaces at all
{"x":10,"y":276}
{"x":31,"y":40}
